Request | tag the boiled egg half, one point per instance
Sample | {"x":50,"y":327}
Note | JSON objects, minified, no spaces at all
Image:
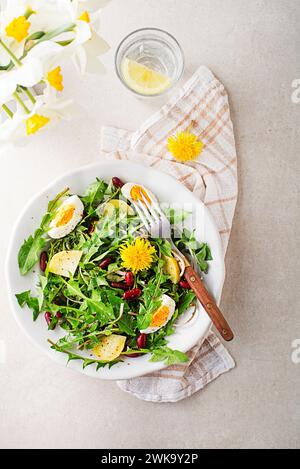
{"x":162,"y":315}
{"x":136,"y":192}
{"x":67,"y":217}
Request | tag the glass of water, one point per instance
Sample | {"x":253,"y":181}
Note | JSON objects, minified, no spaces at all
{"x":149,"y":62}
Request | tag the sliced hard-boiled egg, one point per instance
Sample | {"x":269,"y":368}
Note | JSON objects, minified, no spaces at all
{"x":67,"y":217}
{"x":162,"y":315}
{"x":136,"y":192}
{"x":65,"y":263}
{"x":110,"y":347}
{"x":116,"y":204}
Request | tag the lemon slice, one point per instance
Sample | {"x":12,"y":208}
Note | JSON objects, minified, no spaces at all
{"x":65,"y":263}
{"x":171,"y":267}
{"x":116,"y":204}
{"x":110,"y":347}
{"x":142,"y":79}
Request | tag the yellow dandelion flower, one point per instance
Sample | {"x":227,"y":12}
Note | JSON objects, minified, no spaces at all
{"x":55,"y":79}
{"x":185,"y":146}
{"x":85,"y":17}
{"x":137,"y":256}
{"x":35,"y":123}
{"x":18,"y":28}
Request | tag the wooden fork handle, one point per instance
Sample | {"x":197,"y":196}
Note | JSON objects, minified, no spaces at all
{"x":208,"y":303}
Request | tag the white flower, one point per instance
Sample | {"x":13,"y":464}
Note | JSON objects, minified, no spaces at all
{"x":19,"y":19}
{"x":47,"y":110}
{"x":29,"y":74}
{"x":87,"y":55}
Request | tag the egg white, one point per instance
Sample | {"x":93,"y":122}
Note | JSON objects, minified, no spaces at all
{"x":58,"y":231}
{"x":126,"y":191}
{"x":171,"y":305}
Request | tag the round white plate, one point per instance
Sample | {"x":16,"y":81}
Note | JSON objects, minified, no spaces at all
{"x":168,"y":191}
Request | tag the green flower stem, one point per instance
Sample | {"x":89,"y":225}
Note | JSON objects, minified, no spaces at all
{"x":8,"y":111}
{"x":30,"y":95}
{"x":10,"y":53}
{"x":21,"y":102}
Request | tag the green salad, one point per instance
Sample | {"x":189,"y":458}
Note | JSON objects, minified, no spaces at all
{"x":113,"y":291}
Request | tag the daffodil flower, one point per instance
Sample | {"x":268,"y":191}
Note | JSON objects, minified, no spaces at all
{"x":87,"y":55}
{"x":47,"y":110}
{"x":29,"y":74}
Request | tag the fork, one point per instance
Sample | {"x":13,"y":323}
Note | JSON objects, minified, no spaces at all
{"x":157,"y":225}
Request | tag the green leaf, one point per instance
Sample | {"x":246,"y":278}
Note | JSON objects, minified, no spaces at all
{"x":35,"y":36}
{"x":52,"y":208}
{"x":94,"y":195}
{"x":176,"y":216}
{"x":30,"y":251}
{"x":164,"y":247}
{"x":186,"y":301}
{"x":127,"y":325}
{"x":144,"y":321}
{"x":41,"y":290}
{"x":168,"y":356}
{"x":25,"y":298}
{"x":56,"y":32}
{"x":103,"y":312}
{"x":73,"y":289}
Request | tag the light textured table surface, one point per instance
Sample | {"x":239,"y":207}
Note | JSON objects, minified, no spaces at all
{"x":253,"y":47}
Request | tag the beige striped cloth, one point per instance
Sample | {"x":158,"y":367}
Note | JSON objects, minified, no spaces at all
{"x":202,"y":106}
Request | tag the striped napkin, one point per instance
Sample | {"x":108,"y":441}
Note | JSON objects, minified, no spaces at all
{"x":201,"y":106}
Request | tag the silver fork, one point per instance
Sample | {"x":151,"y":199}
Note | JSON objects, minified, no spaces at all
{"x":158,"y":226}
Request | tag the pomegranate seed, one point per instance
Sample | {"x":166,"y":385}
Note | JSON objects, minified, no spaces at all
{"x":141,"y":341}
{"x":43,"y":261}
{"x":184,"y":284}
{"x":132,"y":294}
{"x":105,"y":263}
{"x":117,"y":182}
{"x":120,"y":285}
{"x":58,"y":315}
{"x":129,"y":279}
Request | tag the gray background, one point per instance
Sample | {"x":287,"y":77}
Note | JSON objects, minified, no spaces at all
{"x":253,"y":47}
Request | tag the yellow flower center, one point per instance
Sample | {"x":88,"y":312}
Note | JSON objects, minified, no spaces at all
{"x":85,"y":17}
{"x":137,"y":256}
{"x":35,"y":123}
{"x":18,"y":28}
{"x":55,"y":79}
{"x":185,"y":146}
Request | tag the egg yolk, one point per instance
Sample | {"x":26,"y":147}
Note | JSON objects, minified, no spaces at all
{"x":137,"y":193}
{"x":64,"y":215}
{"x":160,"y":316}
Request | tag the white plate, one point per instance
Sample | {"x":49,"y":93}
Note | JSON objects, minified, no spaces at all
{"x":168,"y":190}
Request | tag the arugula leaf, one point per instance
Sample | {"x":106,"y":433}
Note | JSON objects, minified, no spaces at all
{"x":94,"y":195}
{"x":41,"y":290}
{"x":164,"y":246}
{"x":86,"y":361}
{"x":74,"y":289}
{"x":127,"y":325}
{"x":176,"y":216}
{"x":186,"y":301}
{"x":103,"y":312}
{"x":168,"y":356}
{"x":30,"y":251}
{"x":25,"y":298}
{"x":200,"y":251}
